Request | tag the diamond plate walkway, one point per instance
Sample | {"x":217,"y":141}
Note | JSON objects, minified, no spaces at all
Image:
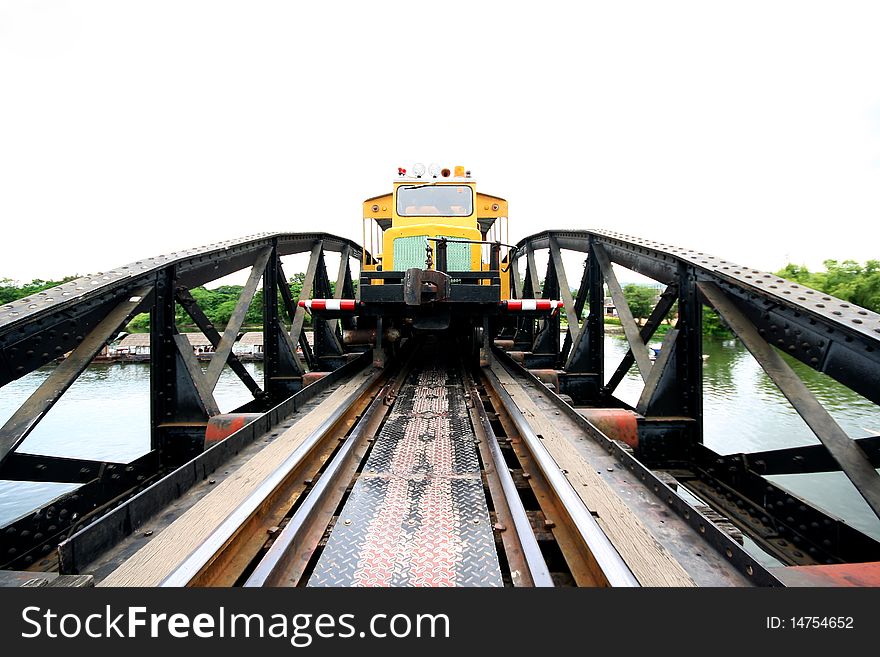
{"x":417,"y":516}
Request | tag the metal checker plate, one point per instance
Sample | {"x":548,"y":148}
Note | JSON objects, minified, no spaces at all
{"x":417,"y":516}
{"x":441,"y":375}
{"x":394,"y":531}
{"x":425,"y":446}
{"x":427,"y":400}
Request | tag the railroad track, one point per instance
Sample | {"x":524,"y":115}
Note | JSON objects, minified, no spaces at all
{"x":428,"y":474}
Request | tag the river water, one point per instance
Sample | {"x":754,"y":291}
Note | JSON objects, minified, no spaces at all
{"x":105,"y":416}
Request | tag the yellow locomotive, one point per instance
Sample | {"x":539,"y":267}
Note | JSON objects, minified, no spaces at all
{"x":436,"y":258}
{"x":402,"y":229}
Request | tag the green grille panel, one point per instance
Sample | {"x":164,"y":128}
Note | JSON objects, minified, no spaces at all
{"x":458,"y":257}
{"x":410,"y":252}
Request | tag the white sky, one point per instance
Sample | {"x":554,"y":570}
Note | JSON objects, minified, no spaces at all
{"x":748,"y":130}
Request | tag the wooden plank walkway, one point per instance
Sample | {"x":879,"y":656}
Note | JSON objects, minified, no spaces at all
{"x":152,"y":563}
{"x":650,"y":562}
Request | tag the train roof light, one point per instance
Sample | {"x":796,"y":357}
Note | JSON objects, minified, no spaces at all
{"x":419,"y":169}
{"x":434,"y":170}
{"x":459,"y":171}
{"x":401,"y":171}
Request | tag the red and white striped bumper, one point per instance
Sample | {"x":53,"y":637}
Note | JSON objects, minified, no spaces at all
{"x":330,"y":305}
{"x":532,"y":305}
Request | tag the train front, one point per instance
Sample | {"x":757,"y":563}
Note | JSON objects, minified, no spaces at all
{"x":436,"y":261}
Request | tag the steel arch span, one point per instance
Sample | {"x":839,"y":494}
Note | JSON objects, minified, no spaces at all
{"x":660,"y":439}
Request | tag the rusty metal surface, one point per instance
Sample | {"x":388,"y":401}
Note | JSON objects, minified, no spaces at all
{"x":283,"y":482}
{"x":527,"y":564}
{"x":424,"y":286}
{"x":602,"y":554}
{"x":224,"y":425}
{"x":824,"y":332}
{"x":848,"y":574}
{"x":417,"y":515}
{"x":616,"y":423}
{"x":287,"y":559}
{"x":101,"y":547}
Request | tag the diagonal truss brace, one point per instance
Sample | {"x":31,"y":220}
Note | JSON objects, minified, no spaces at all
{"x":667,"y":300}
{"x":341,"y":276}
{"x":570,"y":346}
{"x":532,"y":284}
{"x":291,"y":308}
{"x":207,"y":328}
{"x":200,"y":381}
{"x":230,"y":334}
{"x":299,"y":316}
{"x":657,"y":369}
{"x":638,"y":348}
{"x":845,"y":451}
{"x":62,"y":377}
{"x":571,"y":314}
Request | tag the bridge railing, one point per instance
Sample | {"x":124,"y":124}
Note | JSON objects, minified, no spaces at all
{"x":76,"y":320}
{"x":770,"y":316}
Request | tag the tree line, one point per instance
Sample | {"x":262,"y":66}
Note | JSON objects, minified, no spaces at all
{"x":12,"y":291}
{"x":219,"y":303}
{"x":847,"y":280}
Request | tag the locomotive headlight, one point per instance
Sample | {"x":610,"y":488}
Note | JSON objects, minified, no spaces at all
{"x":434,"y":170}
{"x":419,"y":169}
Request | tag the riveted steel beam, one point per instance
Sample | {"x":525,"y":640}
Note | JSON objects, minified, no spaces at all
{"x":230,"y":334}
{"x":847,"y":453}
{"x":185,"y":298}
{"x":34,"y":409}
{"x":291,"y":309}
{"x":829,"y":335}
{"x":630,"y":328}
{"x":667,"y":299}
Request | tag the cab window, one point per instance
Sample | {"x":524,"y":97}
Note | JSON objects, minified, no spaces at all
{"x":435,"y":200}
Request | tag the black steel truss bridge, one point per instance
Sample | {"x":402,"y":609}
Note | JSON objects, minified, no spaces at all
{"x":727,"y":502}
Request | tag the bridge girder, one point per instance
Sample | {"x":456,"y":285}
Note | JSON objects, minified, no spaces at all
{"x":82,"y":316}
{"x":770,"y":315}
{"x":826,"y":334}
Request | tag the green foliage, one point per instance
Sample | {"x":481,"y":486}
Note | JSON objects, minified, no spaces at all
{"x":139,"y":323}
{"x":712,"y":324}
{"x":641,"y":300}
{"x":218,"y":305}
{"x":11,"y":291}
{"x":847,"y":280}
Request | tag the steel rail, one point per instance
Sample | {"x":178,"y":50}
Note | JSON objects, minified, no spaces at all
{"x":715,"y":535}
{"x":202,"y":556}
{"x":280,"y":565}
{"x":274,"y":568}
{"x":612,"y":565}
{"x":538,"y":572}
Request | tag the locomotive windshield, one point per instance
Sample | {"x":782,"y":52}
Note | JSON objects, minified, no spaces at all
{"x":432,"y":200}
